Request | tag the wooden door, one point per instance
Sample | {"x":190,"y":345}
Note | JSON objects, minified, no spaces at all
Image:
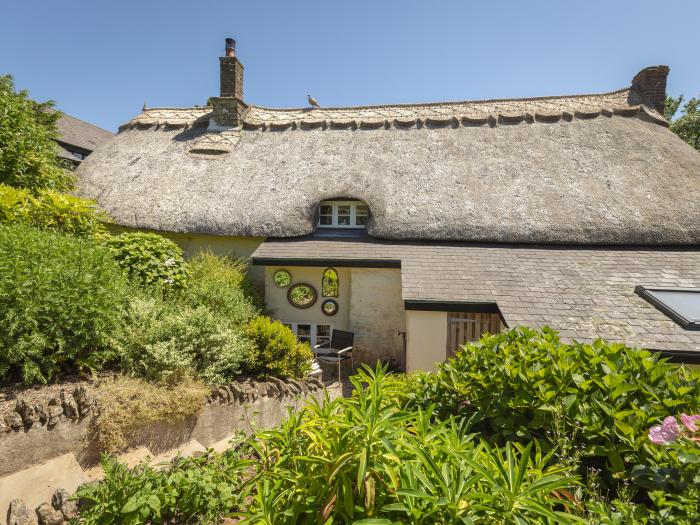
{"x":463,"y":328}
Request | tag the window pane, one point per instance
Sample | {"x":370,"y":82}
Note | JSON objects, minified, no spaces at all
{"x":344,"y":215}
{"x":685,"y":303}
{"x":303,"y":330}
{"x":361,"y":214}
{"x":326,"y":215}
{"x":324,"y":342}
{"x":323,"y":330}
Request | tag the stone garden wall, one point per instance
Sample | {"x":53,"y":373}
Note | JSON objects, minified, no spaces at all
{"x":47,"y":448}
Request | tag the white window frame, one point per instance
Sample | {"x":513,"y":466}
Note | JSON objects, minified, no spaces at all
{"x":314,"y":330}
{"x":353,"y":214}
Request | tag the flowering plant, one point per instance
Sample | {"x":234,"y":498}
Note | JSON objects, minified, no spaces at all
{"x":679,"y":460}
{"x":670,"y":430}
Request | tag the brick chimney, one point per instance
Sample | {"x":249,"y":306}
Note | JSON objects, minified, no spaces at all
{"x":231,"y":72}
{"x":229,"y":106}
{"x":650,"y":82}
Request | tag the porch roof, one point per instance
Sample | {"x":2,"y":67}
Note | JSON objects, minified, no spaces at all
{"x":583,"y":292}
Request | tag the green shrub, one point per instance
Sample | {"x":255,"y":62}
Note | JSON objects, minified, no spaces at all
{"x":277,"y":350}
{"x":60,"y":299}
{"x":356,"y":460}
{"x":51,"y":211}
{"x":163,"y":340}
{"x":204,"y":487}
{"x":220,"y":284}
{"x":594,"y":401}
{"x":28,"y":153}
{"x":150,"y":259}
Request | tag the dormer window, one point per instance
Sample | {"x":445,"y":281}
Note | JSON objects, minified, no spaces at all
{"x":343,"y":214}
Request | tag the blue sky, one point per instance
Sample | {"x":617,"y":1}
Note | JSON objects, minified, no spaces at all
{"x":100,"y":60}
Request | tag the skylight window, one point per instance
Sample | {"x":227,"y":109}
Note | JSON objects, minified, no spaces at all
{"x":680,"y":304}
{"x":343,"y":214}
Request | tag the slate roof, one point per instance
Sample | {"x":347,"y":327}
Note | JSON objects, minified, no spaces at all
{"x":75,"y":132}
{"x":585,"y":169}
{"x":583,"y":292}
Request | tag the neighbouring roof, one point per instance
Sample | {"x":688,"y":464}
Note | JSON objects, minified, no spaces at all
{"x":590,"y":169}
{"x":584,"y":293}
{"x":75,"y":132}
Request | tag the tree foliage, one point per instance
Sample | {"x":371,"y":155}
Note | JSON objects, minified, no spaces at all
{"x":687,"y":126}
{"x":51,"y":210}
{"x":28,"y":152}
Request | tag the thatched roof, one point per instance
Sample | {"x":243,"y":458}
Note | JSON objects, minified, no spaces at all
{"x":599,"y":169}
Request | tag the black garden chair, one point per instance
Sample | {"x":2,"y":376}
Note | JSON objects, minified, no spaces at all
{"x":339,"y":351}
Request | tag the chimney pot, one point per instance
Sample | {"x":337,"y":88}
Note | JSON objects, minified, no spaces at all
{"x":230,"y":47}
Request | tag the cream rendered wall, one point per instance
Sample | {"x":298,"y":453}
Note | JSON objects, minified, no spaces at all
{"x":279,"y":308}
{"x":426,"y":342}
{"x":377,"y":315}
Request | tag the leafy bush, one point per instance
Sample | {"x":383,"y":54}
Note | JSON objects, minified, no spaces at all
{"x":203,"y":487}
{"x":28,"y":156}
{"x":150,"y":259}
{"x":50,"y":210}
{"x":590,"y":401}
{"x":220,"y":284}
{"x":60,"y":299}
{"x":277,"y":351}
{"x":351,"y":460}
{"x":167,"y":341}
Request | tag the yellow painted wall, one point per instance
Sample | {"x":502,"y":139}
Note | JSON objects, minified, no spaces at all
{"x":279,"y":307}
{"x":426,"y":340}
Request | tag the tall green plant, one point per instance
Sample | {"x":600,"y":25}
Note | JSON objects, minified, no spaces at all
{"x":220,"y":284}
{"x":361,"y":460}
{"x":28,"y":153}
{"x":60,"y":300}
